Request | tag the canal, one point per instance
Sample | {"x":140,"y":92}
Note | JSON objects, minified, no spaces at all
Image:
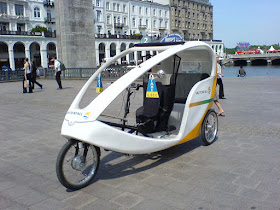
{"x":269,"y":70}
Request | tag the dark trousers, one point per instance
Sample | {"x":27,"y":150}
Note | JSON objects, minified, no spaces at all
{"x":35,"y":82}
{"x":221,"y":88}
{"x":57,"y":77}
{"x":29,"y":78}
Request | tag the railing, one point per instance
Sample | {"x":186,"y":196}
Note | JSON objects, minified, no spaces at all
{"x":48,"y":4}
{"x":110,"y":73}
{"x":119,"y":25}
{"x":21,"y":33}
{"x":117,"y":36}
{"x":84,"y":73}
{"x":50,"y":20}
{"x":50,"y":34}
{"x":11,"y":75}
{"x":18,"y":17}
{"x":142,"y":27}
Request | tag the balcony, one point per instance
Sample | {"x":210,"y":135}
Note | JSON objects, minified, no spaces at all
{"x":142,"y":26}
{"x":48,"y":4}
{"x":50,"y":20}
{"x":13,"y":17}
{"x":20,"y":33}
{"x":49,"y":34}
{"x":118,"y":25}
{"x":118,"y":36}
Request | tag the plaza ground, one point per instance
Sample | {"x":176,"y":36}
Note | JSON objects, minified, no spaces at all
{"x":240,"y":170}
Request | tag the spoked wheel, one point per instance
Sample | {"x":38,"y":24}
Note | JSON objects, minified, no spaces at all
{"x":209,"y":128}
{"x":77,"y":164}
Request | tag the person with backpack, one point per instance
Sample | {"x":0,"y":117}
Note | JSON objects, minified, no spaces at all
{"x":57,"y":72}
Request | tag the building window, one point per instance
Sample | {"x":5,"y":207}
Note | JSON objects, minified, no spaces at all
{"x":147,"y":23}
{"x":4,"y":26}
{"x":124,"y":8}
{"x":3,"y":8}
{"x":146,"y":11}
{"x":98,"y":3}
{"x":155,"y":24}
{"x":114,"y":6}
{"x":140,"y":10}
{"x":124,"y":21}
{"x":98,"y":16}
{"x":108,"y":19}
{"x":160,"y":13}
{"x":37,"y":12}
{"x":19,"y":9}
{"x":115,"y":19}
{"x":165,"y":13}
{"x":118,"y":7}
{"x":119,"y":20}
{"x":20,"y":27}
{"x":154,"y":12}
{"x":133,"y":8}
{"x":140,"y":21}
{"x":107,"y":5}
{"x":133,"y":22}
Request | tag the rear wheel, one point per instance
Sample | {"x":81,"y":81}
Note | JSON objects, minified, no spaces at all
{"x":209,"y":128}
{"x":77,"y":164}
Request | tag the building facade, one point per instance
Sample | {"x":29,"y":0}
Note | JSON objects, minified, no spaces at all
{"x":193,"y":19}
{"x":118,"y":26}
{"x":20,"y":36}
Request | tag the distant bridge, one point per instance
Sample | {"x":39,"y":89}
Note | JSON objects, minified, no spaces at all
{"x":255,"y":59}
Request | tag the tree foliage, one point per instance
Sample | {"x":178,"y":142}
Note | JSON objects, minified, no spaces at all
{"x":39,"y":29}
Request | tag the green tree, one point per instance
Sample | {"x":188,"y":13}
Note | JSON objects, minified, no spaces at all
{"x":39,"y":29}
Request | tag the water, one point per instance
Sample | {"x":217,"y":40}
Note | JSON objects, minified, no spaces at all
{"x":252,"y":71}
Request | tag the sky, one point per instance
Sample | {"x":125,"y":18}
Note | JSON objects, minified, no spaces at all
{"x":253,"y":21}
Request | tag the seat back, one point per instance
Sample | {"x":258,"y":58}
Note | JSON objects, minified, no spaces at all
{"x":184,"y":83}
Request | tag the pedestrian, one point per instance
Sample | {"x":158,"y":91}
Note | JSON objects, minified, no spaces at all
{"x":219,"y":79}
{"x":34,"y":75}
{"x":57,"y":72}
{"x":27,"y":74}
{"x":221,"y":111}
{"x":241,"y":72}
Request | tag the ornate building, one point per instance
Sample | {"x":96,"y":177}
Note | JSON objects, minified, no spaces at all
{"x":192,"y":18}
{"x":20,"y":36}
{"x":118,"y":26}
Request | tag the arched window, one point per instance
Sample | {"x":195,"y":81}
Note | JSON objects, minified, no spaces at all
{"x":37,"y":12}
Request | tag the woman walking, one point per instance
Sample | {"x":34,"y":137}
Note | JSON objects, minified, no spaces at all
{"x":27,"y":73}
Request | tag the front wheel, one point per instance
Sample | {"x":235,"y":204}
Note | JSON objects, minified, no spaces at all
{"x":209,"y":128}
{"x":77,"y":164}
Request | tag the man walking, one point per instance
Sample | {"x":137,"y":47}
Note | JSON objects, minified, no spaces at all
{"x":57,"y":72}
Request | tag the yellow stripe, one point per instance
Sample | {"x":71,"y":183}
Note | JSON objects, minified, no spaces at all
{"x":196,"y":131}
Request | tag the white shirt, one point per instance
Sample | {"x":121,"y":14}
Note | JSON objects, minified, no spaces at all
{"x":57,"y":65}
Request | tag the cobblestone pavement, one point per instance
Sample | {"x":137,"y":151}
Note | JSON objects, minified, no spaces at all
{"x":240,"y":170}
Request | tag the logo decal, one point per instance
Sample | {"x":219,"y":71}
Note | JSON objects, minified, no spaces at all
{"x":86,"y":116}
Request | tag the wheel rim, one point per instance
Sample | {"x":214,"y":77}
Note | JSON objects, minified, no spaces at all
{"x":211,"y":127}
{"x":78,"y":169}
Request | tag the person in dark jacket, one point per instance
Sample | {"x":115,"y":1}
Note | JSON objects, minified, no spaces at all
{"x":34,"y":75}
